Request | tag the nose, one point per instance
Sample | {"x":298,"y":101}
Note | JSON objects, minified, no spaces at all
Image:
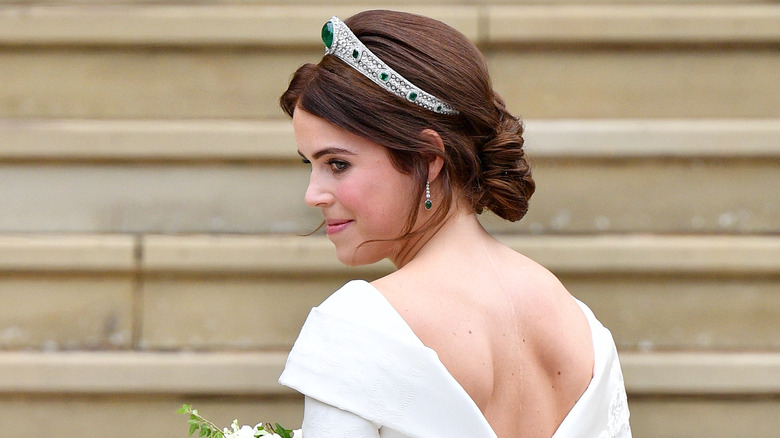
{"x":317,"y":195}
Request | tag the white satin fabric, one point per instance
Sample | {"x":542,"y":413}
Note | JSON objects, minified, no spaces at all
{"x":365,"y":374}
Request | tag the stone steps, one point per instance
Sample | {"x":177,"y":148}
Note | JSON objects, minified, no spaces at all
{"x":706,"y":394}
{"x":598,"y":61}
{"x":150,"y":196}
{"x":166,"y":292}
{"x":215,"y":175}
{"x":289,"y":25}
{"x":117,"y":141}
{"x":90,"y":416}
{"x":255,"y":373}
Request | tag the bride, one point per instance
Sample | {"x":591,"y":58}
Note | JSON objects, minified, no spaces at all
{"x":407,"y":143}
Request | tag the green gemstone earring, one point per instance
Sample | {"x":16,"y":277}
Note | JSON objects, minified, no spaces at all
{"x":428,"y":203}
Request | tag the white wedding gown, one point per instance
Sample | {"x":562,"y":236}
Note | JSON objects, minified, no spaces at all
{"x":365,"y":374}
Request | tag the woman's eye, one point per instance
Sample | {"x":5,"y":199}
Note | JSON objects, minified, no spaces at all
{"x":338,"y":165}
{"x":305,"y":161}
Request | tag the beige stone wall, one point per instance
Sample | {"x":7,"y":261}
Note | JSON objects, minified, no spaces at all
{"x":150,"y":202}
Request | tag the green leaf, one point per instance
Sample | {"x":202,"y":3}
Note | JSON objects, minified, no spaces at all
{"x":193,"y":427}
{"x":203,"y":431}
{"x":282,"y":432}
{"x":184,"y":409}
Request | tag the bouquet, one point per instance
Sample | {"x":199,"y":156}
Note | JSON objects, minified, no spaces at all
{"x":210,"y":430}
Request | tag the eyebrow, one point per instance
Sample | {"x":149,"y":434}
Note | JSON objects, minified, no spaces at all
{"x":328,"y":151}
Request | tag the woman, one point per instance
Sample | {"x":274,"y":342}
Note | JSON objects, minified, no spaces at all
{"x":407,"y":143}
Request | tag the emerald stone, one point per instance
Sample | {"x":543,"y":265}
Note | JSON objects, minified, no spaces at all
{"x":327,"y":34}
{"x":355,"y":54}
{"x":428,"y":204}
{"x":438,"y":109}
{"x":384,"y":76}
{"x":412,"y":96}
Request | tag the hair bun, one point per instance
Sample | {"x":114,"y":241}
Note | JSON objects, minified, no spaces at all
{"x":505,"y":181}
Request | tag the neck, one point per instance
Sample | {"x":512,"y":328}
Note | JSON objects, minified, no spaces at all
{"x":459,"y":229}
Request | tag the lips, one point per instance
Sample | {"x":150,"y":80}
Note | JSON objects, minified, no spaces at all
{"x":333,"y":226}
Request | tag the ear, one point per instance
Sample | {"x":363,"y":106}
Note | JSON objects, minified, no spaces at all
{"x":436,"y":162}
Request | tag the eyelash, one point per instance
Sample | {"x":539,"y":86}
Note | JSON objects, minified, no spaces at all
{"x":333,"y":163}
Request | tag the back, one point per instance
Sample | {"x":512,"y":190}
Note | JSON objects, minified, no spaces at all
{"x":505,"y":328}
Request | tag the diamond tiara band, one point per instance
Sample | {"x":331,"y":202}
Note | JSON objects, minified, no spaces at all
{"x":342,"y":43}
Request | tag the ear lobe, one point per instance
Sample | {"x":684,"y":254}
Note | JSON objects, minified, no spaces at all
{"x":436,"y":162}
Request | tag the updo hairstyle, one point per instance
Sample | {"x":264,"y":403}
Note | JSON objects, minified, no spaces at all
{"x":484,"y":161}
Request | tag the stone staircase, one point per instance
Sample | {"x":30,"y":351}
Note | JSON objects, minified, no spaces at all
{"x":151,"y":201}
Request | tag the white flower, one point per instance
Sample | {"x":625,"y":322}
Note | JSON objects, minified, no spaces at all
{"x":196,"y":421}
{"x":260,"y":431}
{"x":243,"y":432}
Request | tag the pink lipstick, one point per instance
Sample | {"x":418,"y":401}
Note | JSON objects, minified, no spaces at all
{"x":336,"y":225}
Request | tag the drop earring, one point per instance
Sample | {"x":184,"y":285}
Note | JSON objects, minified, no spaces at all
{"x":428,"y":203}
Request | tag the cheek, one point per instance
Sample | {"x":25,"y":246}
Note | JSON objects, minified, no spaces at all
{"x":393,"y":204}
{"x":381,"y":198}
{"x":352,"y":196}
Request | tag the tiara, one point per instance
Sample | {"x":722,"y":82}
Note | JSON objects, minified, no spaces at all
{"x":341,"y":42}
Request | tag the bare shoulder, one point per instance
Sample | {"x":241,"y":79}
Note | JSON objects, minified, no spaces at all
{"x":506,"y":329}
{"x":547,"y":310}
{"x":427,"y":303}
{"x":448,"y":321}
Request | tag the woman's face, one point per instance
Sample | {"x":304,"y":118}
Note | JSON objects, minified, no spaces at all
{"x":353,"y":182}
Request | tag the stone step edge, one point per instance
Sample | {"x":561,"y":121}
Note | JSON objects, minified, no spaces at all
{"x":297,"y":255}
{"x":256,"y":373}
{"x":562,"y":254}
{"x":68,"y":252}
{"x":226,"y":140}
{"x":298,"y":25}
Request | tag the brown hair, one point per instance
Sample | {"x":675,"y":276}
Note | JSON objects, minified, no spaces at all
{"x":483,"y":157}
